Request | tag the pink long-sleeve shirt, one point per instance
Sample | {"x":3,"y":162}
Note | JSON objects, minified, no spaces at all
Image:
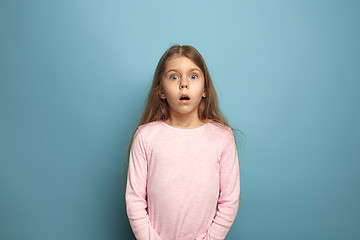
{"x":177,"y":178}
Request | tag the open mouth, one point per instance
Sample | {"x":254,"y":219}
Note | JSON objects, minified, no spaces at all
{"x":184,"y":98}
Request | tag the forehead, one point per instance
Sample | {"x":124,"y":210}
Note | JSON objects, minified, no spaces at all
{"x":181,"y":63}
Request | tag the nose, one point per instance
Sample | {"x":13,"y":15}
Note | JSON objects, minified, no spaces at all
{"x":184,"y":84}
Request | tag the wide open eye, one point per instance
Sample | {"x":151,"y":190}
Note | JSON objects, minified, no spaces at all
{"x":174,"y":77}
{"x":193,"y":76}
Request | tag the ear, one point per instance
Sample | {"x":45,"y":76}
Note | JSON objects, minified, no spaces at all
{"x":204,"y":94}
{"x":162,"y":94}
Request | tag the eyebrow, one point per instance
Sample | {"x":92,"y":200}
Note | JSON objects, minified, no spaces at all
{"x":191,"y":70}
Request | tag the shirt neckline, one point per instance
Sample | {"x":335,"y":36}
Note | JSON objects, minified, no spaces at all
{"x":183,"y":129}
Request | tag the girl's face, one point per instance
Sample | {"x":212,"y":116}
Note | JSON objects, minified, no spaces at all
{"x":183,"y":86}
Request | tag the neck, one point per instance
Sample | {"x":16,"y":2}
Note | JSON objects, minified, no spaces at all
{"x":184,"y":121}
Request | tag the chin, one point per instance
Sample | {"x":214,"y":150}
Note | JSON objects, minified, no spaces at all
{"x":183,"y":111}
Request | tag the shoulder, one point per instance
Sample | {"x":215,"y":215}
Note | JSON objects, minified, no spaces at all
{"x":150,"y":126}
{"x":148,"y":130}
{"x":220,"y":130}
{"x":222,"y":134}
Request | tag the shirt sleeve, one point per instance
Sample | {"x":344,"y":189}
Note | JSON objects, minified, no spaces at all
{"x":135,"y":195}
{"x":228,"y":202}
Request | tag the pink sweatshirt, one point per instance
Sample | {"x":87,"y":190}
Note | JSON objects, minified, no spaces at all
{"x":176,"y":178}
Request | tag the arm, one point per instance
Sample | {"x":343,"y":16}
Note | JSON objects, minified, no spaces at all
{"x":136,"y":203}
{"x":228,"y":202}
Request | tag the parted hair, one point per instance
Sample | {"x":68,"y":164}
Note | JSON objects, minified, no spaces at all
{"x":158,"y":109}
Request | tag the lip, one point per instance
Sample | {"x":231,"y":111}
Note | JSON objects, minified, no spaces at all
{"x":184,"y":95}
{"x":184,"y":101}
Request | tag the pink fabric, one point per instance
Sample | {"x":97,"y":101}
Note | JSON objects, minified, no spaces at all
{"x":176,"y":178}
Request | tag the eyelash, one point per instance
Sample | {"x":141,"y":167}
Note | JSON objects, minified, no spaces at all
{"x":171,"y":77}
{"x":196,"y":76}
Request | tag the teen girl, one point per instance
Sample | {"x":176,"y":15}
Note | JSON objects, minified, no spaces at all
{"x":183,"y":178}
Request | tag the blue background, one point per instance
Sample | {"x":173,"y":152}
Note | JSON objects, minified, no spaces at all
{"x":74,"y":76}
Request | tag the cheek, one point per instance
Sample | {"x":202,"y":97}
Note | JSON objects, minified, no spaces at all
{"x":201,"y":86}
{"x":165,"y":88}
{"x":169,"y":92}
{"x":202,"y":82}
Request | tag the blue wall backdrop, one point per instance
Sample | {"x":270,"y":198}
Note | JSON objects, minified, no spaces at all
{"x":74,"y":76}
